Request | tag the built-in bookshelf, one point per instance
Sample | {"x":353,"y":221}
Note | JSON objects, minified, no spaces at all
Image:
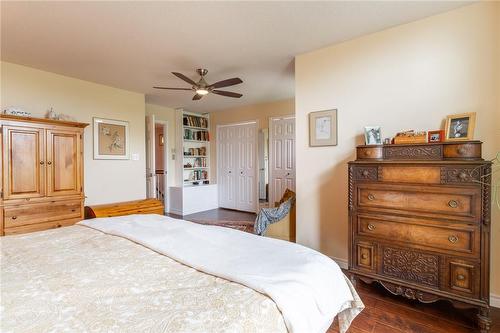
{"x":196,"y":149}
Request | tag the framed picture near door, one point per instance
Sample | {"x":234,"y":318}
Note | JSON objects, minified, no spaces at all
{"x":111,"y":139}
{"x":323,"y":128}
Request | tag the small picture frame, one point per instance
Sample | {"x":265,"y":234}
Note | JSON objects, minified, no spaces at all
{"x":373,"y":135}
{"x":111,"y":139}
{"x":435,"y":136}
{"x":323,"y":128}
{"x":460,"y":127}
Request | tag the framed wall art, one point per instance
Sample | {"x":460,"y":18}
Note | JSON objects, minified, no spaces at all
{"x":323,"y":128}
{"x":111,"y":139}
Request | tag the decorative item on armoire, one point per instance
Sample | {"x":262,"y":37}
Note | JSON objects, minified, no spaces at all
{"x":323,"y":128}
{"x":419,"y":222}
{"x":435,"y":136}
{"x":111,"y":139}
{"x":16,"y":111}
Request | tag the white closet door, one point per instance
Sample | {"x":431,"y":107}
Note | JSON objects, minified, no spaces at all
{"x":247,"y":168}
{"x":226,"y":160}
{"x":282,"y":157}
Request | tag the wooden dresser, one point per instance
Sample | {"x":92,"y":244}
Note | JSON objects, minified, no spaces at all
{"x":419,"y":222}
{"x":42,"y":174}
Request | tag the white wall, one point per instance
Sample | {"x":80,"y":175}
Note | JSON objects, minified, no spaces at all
{"x":407,"y":77}
{"x":36,"y":91}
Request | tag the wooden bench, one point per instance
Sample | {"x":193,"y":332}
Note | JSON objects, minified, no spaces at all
{"x":146,"y":206}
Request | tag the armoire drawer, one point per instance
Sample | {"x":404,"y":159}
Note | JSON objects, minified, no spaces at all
{"x":40,"y":213}
{"x":446,"y":201}
{"x":458,"y":238}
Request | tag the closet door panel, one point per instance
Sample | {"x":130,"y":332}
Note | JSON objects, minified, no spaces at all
{"x":63,"y":163}
{"x":282,"y":154}
{"x":247,"y":168}
{"x":226,"y":167}
{"x":24,"y":162}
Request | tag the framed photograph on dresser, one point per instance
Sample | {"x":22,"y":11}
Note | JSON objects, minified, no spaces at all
{"x":460,"y":127}
{"x":111,"y":139}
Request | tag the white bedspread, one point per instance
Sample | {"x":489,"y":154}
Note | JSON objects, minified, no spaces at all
{"x":308,"y":287}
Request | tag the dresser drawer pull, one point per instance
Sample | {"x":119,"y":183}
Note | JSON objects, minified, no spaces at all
{"x":461,"y":150}
{"x":371,"y":197}
{"x":453,"y":203}
{"x":371,"y":227}
{"x":73,"y":210}
{"x":453,"y":239}
{"x":364,"y":256}
{"x":365,"y":173}
{"x":14,"y":217}
{"x":460,"y":277}
{"x":42,"y":162}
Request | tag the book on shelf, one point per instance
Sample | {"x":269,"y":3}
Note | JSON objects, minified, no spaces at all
{"x":197,"y":175}
{"x":200,"y":151}
{"x":198,"y":135}
{"x":194,"y":121}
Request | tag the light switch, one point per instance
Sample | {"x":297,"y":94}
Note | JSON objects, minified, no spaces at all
{"x":135,"y":157}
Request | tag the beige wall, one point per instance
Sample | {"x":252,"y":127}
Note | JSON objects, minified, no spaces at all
{"x":407,"y":77}
{"x":36,"y":91}
{"x":261,"y":112}
{"x":168,"y":115}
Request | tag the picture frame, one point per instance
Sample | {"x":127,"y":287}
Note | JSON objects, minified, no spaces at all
{"x":111,"y":139}
{"x":373,"y":135}
{"x":323,"y":128}
{"x":161,"y":140}
{"x":460,"y":127}
{"x":435,"y":136}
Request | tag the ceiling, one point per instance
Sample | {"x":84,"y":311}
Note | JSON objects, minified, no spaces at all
{"x":135,"y":45}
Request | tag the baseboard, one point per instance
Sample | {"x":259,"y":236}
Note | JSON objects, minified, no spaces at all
{"x":341,"y":262}
{"x":175,"y":211}
{"x":495,"y":300}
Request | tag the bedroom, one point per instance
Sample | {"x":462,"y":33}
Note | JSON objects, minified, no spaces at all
{"x":408,"y":67}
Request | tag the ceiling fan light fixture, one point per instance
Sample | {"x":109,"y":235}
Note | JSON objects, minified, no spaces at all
{"x":201,"y":91}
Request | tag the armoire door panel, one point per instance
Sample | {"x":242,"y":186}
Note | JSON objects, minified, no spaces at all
{"x":24,"y":162}
{"x":63,"y":163}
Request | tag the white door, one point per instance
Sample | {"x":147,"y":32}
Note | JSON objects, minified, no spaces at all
{"x":237,"y":166}
{"x":262,"y":165}
{"x":150,"y":157}
{"x":247,"y":168}
{"x":282,"y":157}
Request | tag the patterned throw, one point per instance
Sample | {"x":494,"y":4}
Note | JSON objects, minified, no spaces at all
{"x":268,"y":216}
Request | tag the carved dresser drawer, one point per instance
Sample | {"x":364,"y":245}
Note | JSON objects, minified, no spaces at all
{"x":419,"y":222}
{"x":444,"y":201}
{"x":457,"y":239}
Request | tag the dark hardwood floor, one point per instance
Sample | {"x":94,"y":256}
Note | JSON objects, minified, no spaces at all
{"x":386,"y":313}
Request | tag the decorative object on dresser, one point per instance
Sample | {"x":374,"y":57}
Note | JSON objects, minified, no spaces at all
{"x":460,"y":127}
{"x":146,"y":206}
{"x":373,"y":135}
{"x":111,"y":139}
{"x":435,"y":136}
{"x":419,"y":222}
{"x":323,"y":128}
{"x":410,"y":137}
{"x":42,"y":174}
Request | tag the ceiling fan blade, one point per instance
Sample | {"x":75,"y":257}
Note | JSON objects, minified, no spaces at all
{"x":185,"y":78}
{"x":173,"y":88}
{"x":227,"y":93}
{"x":197,"y":97}
{"x":226,"y":83}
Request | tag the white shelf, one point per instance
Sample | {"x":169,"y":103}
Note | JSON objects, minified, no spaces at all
{"x":197,"y":128}
{"x":197,"y":141}
{"x":196,"y":168}
{"x":195,"y":156}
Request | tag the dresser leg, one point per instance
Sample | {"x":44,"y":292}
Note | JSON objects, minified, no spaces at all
{"x":484,"y":320}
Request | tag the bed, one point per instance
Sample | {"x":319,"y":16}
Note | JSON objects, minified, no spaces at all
{"x":152,"y":273}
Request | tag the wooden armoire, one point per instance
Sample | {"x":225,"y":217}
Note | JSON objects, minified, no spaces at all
{"x":419,"y":222}
{"x":42,"y":174}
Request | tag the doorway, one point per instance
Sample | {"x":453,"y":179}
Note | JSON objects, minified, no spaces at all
{"x":157,"y":159}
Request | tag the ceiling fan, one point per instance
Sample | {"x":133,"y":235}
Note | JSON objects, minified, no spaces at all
{"x":202,"y":88}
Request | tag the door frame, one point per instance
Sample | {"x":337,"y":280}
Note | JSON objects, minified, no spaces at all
{"x":256,"y":172}
{"x":165,"y":161}
{"x":271,"y":198}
